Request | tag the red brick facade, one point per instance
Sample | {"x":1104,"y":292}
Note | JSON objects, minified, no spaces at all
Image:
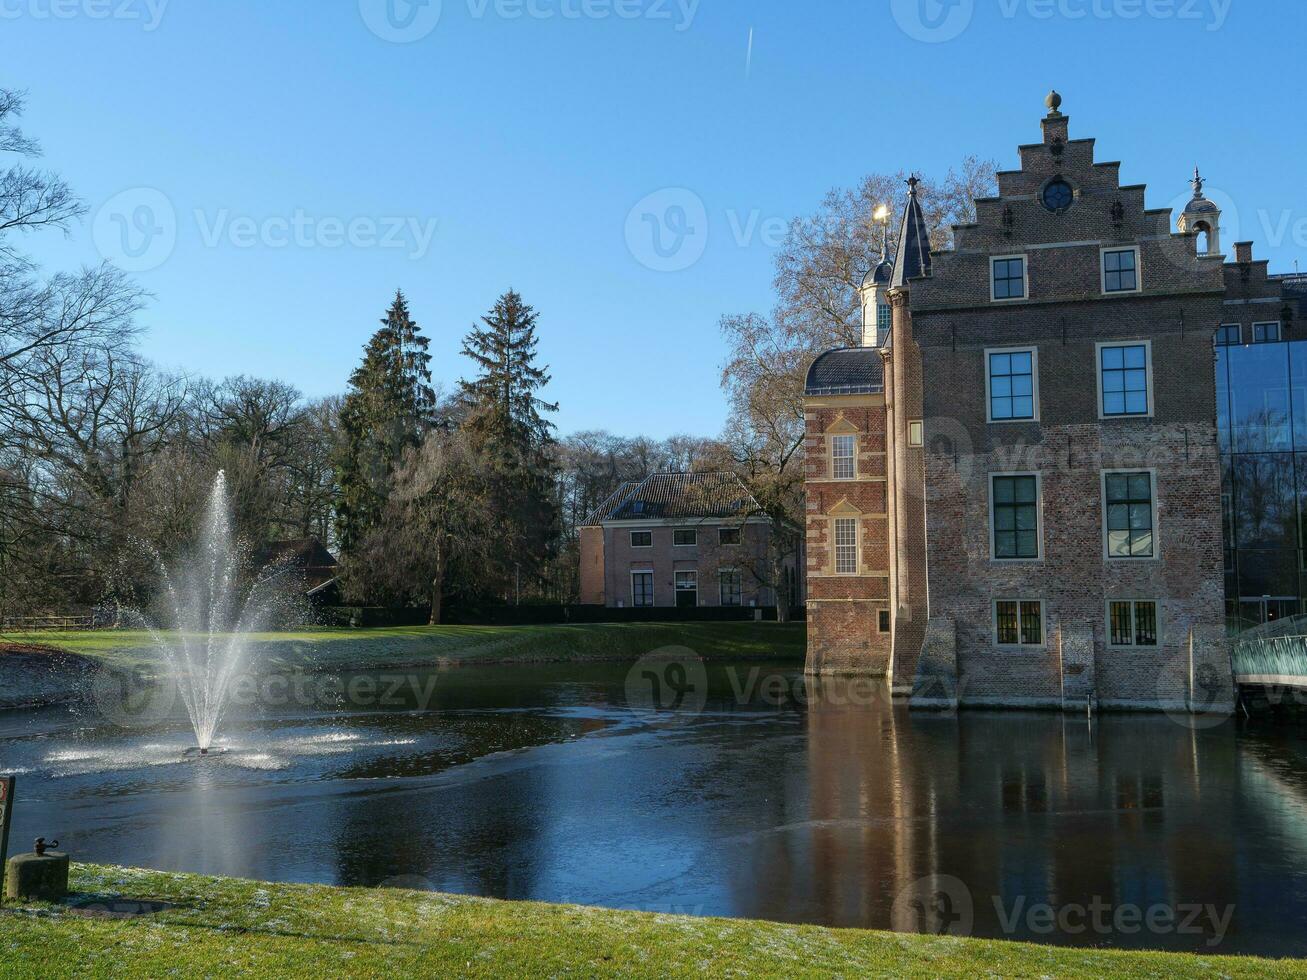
{"x":948,"y":323}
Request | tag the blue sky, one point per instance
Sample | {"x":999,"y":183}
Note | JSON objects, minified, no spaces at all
{"x":295,"y":163}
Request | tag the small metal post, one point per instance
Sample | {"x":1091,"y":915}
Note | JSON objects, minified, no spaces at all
{"x":6,"y":813}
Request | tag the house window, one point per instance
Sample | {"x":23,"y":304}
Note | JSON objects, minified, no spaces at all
{"x":846,"y":546}
{"x":642,"y":590}
{"x":844,"y":462}
{"x":728,"y":536}
{"x":732,"y":586}
{"x":1123,"y":379}
{"x":1009,"y":277}
{"x":883,"y":621}
{"x":1266,"y":333}
{"x":884,"y":322}
{"x":642,"y":539}
{"x":1121,"y":270}
{"x":1015,"y":516}
{"x":1129,"y":503}
{"x":916,"y":434}
{"x":1019,"y":623}
{"x":1229,"y":335}
{"x":685,"y":539}
{"x":1011,"y":385}
{"x":687,"y":590}
{"x":1132,"y":623}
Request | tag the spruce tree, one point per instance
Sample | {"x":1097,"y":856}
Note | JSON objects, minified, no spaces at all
{"x":505,"y":421}
{"x":389,"y":408}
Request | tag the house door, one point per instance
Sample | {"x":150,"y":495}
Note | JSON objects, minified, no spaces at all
{"x":687,"y":590}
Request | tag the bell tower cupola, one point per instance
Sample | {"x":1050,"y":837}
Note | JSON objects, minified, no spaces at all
{"x":1202,"y":219}
{"x":876,"y":311}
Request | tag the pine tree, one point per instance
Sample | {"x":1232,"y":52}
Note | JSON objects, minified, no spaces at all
{"x":389,"y":408}
{"x":505,"y":421}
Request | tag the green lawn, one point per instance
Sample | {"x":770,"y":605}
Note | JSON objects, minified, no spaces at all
{"x":224,"y":927}
{"x":333,"y":649}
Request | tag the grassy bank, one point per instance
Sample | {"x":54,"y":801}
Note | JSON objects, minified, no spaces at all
{"x":221,"y":927}
{"x":334,"y":649}
{"x":27,"y":679}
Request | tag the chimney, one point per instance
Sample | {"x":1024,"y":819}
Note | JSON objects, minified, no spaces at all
{"x":1243,"y":252}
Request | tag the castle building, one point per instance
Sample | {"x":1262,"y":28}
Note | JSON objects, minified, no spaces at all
{"x":1015,"y":493}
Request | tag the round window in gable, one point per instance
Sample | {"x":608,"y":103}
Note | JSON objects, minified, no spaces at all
{"x":1058,"y":195}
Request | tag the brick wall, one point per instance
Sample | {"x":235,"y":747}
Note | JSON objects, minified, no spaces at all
{"x":844,"y":633}
{"x":1064,"y":317}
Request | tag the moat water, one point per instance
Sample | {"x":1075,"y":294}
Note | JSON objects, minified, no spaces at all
{"x":777,"y":798}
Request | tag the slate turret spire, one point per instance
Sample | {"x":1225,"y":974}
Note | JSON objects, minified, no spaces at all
{"x":913,"y":259}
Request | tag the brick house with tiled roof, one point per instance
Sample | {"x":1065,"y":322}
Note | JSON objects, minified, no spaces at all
{"x":680,"y":540}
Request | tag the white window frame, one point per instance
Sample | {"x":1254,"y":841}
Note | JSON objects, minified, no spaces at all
{"x":1147,"y":345}
{"x":1102,"y":270}
{"x":834,"y":546}
{"x":653,"y":588}
{"x":1157,"y":531}
{"x":642,"y":546}
{"x":834,"y":471}
{"x":1107,"y":625}
{"x":731,"y":570}
{"x":916,"y":433}
{"x":676,"y":588}
{"x":1279,"y":331}
{"x":1043,"y":624}
{"x":738,"y":532}
{"x":1025,"y":278}
{"x":1034,"y":383}
{"x":1039,"y":516}
{"x":694,"y":532}
{"x":1226,"y":326}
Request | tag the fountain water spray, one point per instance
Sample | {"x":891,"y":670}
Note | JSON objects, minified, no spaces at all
{"x":209,"y":637}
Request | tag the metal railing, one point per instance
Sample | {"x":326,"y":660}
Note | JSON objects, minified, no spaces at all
{"x":1277,"y":649}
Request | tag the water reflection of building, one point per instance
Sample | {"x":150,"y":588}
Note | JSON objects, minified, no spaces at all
{"x":1022,"y":808}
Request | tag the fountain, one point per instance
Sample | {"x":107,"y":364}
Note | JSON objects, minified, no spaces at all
{"x":209,"y":636}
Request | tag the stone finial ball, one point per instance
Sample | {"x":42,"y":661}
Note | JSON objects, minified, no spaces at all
{"x":1054,"y":101}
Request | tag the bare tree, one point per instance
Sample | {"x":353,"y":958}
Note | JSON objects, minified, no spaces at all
{"x":819,"y":271}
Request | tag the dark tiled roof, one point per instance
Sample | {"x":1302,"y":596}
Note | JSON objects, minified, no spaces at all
{"x":913,"y":259}
{"x":880,"y":275}
{"x":687,"y":495}
{"x":600,"y":513}
{"x":848,"y":371}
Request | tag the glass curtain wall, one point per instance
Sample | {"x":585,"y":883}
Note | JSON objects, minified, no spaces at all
{"x":1261,"y":395}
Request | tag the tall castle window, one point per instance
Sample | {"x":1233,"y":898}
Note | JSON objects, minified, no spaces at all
{"x":1123,"y":379}
{"x":1130,"y":506}
{"x":844,"y":465}
{"x":1011,"y":375}
{"x":1014,"y":515}
{"x":846,"y":546}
